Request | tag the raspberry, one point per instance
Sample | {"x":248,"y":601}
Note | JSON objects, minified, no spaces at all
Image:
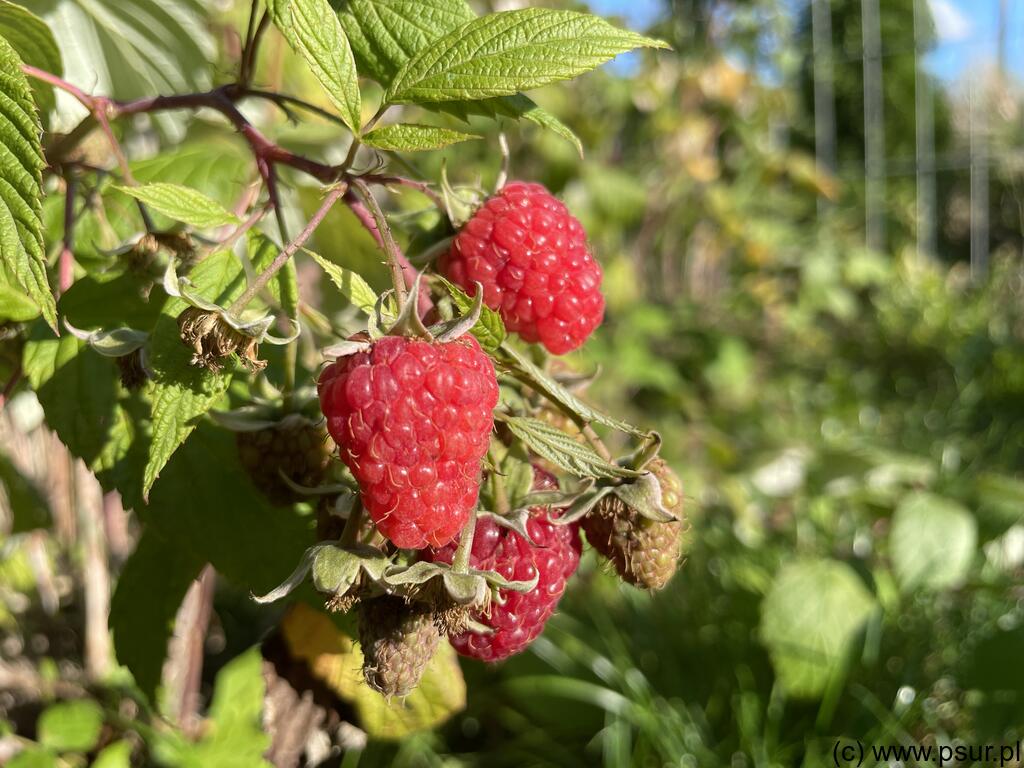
{"x":517,"y":618}
{"x":531,"y":256}
{"x":645,"y":553}
{"x":398,"y":639}
{"x":295,"y":446}
{"x":413,"y":420}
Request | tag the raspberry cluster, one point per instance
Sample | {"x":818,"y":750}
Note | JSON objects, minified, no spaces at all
{"x":531,"y":257}
{"x":412,"y":419}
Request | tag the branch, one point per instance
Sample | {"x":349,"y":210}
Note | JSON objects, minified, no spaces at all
{"x":336,"y":193}
{"x":397,"y":262}
{"x":66,"y":260}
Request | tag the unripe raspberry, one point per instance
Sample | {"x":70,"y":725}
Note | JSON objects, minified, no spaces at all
{"x":517,"y":618}
{"x":412,"y":420}
{"x":531,"y":257}
{"x":645,"y":553}
{"x":296,"y":447}
{"x":398,"y":640}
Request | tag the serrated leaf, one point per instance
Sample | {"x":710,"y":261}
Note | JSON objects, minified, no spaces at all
{"x":182,"y":392}
{"x":34,"y":42}
{"x":564,"y":451}
{"x":517,"y":107}
{"x":26,"y":504}
{"x":528,"y":373}
{"x":489,"y":328}
{"x":933,"y":542}
{"x":809,"y":622}
{"x":21,"y":162}
{"x":385,"y":34}
{"x":352,"y":286}
{"x":313,"y":30}
{"x":412,"y":137}
{"x":182,"y":204}
{"x":151,"y":587}
{"x":503,"y":53}
{"x":226,"y":521}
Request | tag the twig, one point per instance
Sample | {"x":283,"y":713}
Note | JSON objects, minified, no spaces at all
{"x":249,"y":48}
{"x":96,"y":581}
{"x":397,"y":262}
{"x":66,"y":260}
{"x":422,"y":187}
{"x":10,"y":386}
{"x":184,"y":670}
{"x":283,"y":100}
{"x":335,"y":193}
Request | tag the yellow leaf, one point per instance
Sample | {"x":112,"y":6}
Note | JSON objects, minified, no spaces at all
{"x":334,"y":658}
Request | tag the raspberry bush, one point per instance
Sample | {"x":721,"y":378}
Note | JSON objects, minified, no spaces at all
{"x":228,"y":383}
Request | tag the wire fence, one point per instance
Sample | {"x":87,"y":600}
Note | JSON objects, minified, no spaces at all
{"x":879,"y":167}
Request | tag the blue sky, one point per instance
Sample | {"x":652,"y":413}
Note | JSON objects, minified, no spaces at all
{"x":968,"y":31}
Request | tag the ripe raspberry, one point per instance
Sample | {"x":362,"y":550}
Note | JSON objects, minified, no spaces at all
{"x":413,"y":420}
{"x":398,"y":640}
{"x":531,"y":256}
{"x":295,"y":446}
{"x":517,"y":618}
{"x":645,"y":553}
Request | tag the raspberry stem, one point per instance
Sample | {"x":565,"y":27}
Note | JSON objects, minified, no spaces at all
{"x":350,"y":534}
{"x":335,"y":194}
{"x":390,"y":247}
{"x":460,"y":563}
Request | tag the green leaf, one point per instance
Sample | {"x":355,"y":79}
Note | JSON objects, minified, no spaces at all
{"x":182,"y":391}
{"x":26,"y":503}
{"x":517,"y":107}
{"x":33,"y":40}
{"x":524,"y":370}
{"x":76,"y":387}
{"x":233,"y":736}
{"x":489,"y":329}
{"x":116,"y":755}
{"x":351,"y":285}
{"x":149,"y":591}
{"x":15,"y":306}
{"x":182,"y":204}
{"x":313,"y":30}
{"x":71,"y":726}
{"x":932,"y":543}
{"x":33,"y":757}
{"x":809,"y":622}
{"x":503,"y":53}
{"x":225,"y":521}
{"x":21,"y":163}
{"x":385,"y":34}
{"x":564,"y":451}
{"x":411,"y":137}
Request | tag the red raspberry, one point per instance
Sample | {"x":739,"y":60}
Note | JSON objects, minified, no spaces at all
{"x":531,"y":256}
{"x":412,"y":420}
{"x":517,"y":618}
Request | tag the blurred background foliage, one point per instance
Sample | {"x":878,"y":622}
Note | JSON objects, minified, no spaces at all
{"x":849,"y":424}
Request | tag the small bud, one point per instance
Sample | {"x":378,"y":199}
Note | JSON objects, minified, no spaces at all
{"x":132,"y":368}
{"x":398,"y":640}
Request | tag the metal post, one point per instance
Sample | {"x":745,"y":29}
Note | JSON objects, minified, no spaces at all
{"x":824,"y":91}
{"x":979,"y":182}
{"x":924,"y":119}
{"x":874,"y":125}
